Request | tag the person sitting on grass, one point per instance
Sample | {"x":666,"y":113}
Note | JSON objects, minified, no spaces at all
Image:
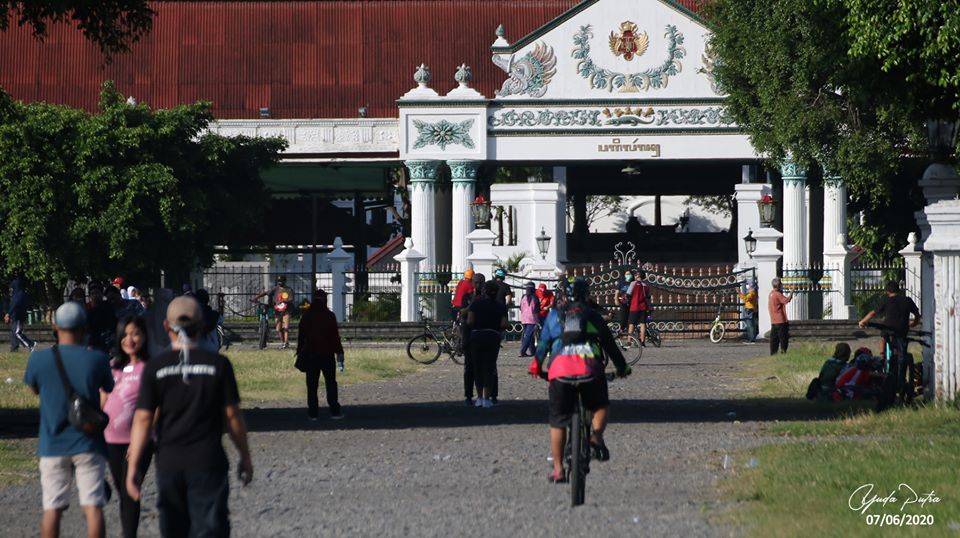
{"x":831,"y":370}
{"x":862,"y":379}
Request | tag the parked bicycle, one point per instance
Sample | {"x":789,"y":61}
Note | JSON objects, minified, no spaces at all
{"x":427,"y":347}
{"x":629,"y":343}
{"x":263,"y":330}
{"x":900,"y":384}
{"x":577,"y":452}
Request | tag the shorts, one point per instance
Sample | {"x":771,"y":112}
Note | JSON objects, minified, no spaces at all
{"x":283,"y":320}
{"x":638,"y":316}
{"x":57,"y":474}
{"x":563,"y":399}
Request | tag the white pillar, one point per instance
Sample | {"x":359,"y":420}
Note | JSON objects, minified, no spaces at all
{"x":939,"y":182}
{"x":795,"y":253}
{"x":834,"y":210}
{"x":338,"y":260}
{"x":463,"y":176}
{"x":766,"y":257}
{"x":482,"y":258}
{"x":748,"y":216}
{"x":911,"y":265}
{"x":560,"y":178}
{"x":423,"y":177}
{"x":944,"y":243}
{"x":409,"y":265}
{"x":836,"y":258}
{"x":442,"y":218}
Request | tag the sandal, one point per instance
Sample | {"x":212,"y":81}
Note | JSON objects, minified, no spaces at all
{"x":553,"y":478}
{"x":599,"y":448}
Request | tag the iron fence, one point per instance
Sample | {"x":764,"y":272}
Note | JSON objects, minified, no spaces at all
{"x":373,"y":295}
{"x":234,"y":286}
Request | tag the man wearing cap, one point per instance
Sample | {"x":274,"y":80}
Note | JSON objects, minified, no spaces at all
{"x":67,"y":454}
{"x":281,"y":299}
{"x":779,"y":325}
{"x":194,"y":394}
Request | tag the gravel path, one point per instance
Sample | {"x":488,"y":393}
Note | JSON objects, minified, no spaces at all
{"x":410,"y":460}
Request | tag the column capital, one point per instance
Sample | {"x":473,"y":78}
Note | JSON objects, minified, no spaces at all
{"x":791,"y":171}
{"x":464,"y":171}
{"x":423,"y":171}
{"x":831,"y":178}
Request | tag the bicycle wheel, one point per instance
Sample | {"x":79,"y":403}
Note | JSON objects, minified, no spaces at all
{"x":653,"y":336}
{"x":578,"y":471}
{"x":264,"y":332}
{"x":716,"y":332}
{"x":630,"y":348}
{"x":424,"y":349}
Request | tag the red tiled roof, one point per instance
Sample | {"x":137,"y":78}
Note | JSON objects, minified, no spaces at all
{"x":300,"y":59}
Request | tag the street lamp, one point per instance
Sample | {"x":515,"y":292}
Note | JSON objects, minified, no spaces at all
{"x":543,"y":243}
{"x":768,"y":210}
{"x":750,"y":243}
{"x":480,"y":208}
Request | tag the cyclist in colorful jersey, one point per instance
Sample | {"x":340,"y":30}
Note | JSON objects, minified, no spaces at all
{"x":281,"y":299}
{"x":573,"y":342}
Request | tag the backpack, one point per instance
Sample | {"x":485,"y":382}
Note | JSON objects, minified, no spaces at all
{"x":573,"y":323}
{"x":281,"y":300}
{"x":577,"y":352}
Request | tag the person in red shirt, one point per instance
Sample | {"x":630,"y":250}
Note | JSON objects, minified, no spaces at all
{"x":546,"y":300}
{"x":318,"y":343}
{"x":639,"y":293}
{"x":780,"y":326}
{"x":463,"y":292}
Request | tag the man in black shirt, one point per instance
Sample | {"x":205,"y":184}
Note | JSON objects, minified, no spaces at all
{"x":194,"y":392}
{"x":896,"y":311}
{"x":504,"y":293}
{"x":101,"y":320}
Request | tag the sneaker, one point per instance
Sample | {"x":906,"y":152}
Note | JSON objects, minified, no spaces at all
{"x":488,"y":403}
{"x":479,"y":402}
{"x":33,"y":346}
{"x":284,"y":346}
{"x":337,"y":416}
{"x":468,"y":402}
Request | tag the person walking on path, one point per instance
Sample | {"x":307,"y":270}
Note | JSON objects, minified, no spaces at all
{"x":281,"y":299}
{"x":622,"y":297}
{"x":469,"y":375}
{"x":529,"y":318}
{"x":120,"y":405}
{"x":318,"y":343}
{"x":193,"y":393}
{"x":750,"y":311}
{"x":779,"y":325}
{"x":17,"y":316}
{"x":66,"y":453}
{"x":486,"y":317}
{"x":639,"y":292}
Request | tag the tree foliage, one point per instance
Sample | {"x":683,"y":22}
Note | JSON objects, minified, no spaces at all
{"x":919,"y":38}
{"x":112,"y":25}
{"x":128,"y":190}
{"x":795,"y":90}
{"x":599,"y":206}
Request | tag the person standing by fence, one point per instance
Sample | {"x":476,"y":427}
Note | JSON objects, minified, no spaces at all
{"x":469,"y":375}
{"x":779,"y":325}
{"x":318,"y":344}
{"x":281,"y":299}
{"x":750,"y":311}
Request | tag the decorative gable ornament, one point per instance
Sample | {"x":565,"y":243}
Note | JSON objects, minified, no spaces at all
{"x":531,"y":74}
{"x":604,"y":79}
{"x":630,"y":42}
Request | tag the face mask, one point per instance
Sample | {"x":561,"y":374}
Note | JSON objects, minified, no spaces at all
{"x":628,"y":278}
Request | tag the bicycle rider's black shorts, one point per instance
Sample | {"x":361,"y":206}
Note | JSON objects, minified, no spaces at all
{"x":563,"y":399}
{"x":638,"y":316}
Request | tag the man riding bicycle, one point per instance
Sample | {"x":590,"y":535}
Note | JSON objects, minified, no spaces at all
{"x":573,"y":342}
{"x":896,"y":311}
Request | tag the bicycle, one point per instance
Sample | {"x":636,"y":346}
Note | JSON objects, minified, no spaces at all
{"x":629,"y":343}
{"x":577,"y":451}
{"x":263,"y":329}
{"x":427,"y":347}
{"x":898,"y":364}
{"x":717,"y":329}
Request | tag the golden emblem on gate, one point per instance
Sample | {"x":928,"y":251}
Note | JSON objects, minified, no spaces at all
{"x":629,"y":42}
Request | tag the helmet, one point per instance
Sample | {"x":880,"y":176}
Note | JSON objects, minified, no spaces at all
{"x":577,"y":289}
{"x":468,"y":274}
{"x":282,"y":279}
{"x":499,"y":273}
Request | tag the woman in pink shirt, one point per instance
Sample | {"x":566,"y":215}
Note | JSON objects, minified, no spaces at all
{"x":119,"y":405}
{"x":529,"y":318}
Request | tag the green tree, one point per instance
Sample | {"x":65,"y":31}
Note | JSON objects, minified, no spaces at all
{"x":112,"y":25}
{"x":795,"y":90}
{"x":919,"y":38}
{"x":129,"y":190}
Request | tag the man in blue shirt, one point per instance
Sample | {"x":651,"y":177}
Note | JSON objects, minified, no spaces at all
{"x":17,"y":315}
{"x":65,"y":452}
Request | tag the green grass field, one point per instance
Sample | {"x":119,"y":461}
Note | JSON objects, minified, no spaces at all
{"x":262,"y":376}
{"x":804,"y":485}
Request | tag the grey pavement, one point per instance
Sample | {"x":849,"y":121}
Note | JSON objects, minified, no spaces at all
{"x":411,"y":460}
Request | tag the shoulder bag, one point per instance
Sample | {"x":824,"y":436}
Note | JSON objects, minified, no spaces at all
{"x":81,"y":413}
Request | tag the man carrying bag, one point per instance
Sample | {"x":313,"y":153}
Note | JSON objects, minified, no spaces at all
{"x":61,"y":377}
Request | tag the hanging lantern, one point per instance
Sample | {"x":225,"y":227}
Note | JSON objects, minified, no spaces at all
{"x":768,"y":210}
{"x":480,"y":208}
{"x":543,"y":243}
